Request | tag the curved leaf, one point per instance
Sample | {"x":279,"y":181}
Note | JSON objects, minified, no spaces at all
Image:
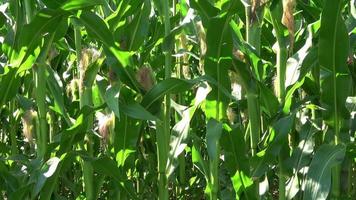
{"x":172,"y":85}
{"x":319,"y":175}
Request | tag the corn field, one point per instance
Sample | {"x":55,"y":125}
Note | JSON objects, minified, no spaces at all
{"x":179,"y":99}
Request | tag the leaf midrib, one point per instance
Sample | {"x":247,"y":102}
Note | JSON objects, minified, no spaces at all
{"x":218,"y":66}
{"x":336,"y":121}
{"x":137,"y":25}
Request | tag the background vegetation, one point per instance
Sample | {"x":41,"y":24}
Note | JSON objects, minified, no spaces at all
{"x":180,"y":99}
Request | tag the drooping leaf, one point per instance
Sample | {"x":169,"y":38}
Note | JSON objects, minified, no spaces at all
{"x":47,"y":171}
{"x":280,"y":131}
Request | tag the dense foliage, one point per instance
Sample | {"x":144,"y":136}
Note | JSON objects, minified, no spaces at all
{"x":180,"y":99}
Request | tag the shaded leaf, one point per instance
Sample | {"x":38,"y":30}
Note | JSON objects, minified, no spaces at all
{"x":318,"y":180}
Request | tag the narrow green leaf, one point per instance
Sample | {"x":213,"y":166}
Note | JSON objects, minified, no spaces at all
{"x":97,"y":28}
{"x":110,"y":94}
{"x":48,"y":169}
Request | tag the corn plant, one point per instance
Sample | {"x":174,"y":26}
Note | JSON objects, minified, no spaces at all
{"x":180,"y":99}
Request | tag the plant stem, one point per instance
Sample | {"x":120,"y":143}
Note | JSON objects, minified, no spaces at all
{"x":181,"y":157}
{"x":214,"y":176}
{"x":281,"y":65}
{"x":254,"y":117}
{"x":253,"y":37}
{"x":13,"y":130}
{"x":163,"y":130}
{"x":28,"y":10}
{"x":253,"y":30}
{"x":40,"y":85}
{"x":282,"y":56}
{"x":85,"y":99}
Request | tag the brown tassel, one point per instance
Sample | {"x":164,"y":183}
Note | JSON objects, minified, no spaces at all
{"x":288,"y":19}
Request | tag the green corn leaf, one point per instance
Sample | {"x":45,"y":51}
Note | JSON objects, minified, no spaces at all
{"x":80,"y":4}
{"x":124,"y":9}
{"x":110,"y":94}
{"x":213,"y":134}
{"x":54,"y":86}
{"x":333,"y":52}
{"x":51,"y":182}
{"x":108,"y":167}
{"x":127,"y":132}
{"x":280,"y":131}
{"x":300,"y":158}
{"x":136,"y":111}
{"x":48,"y":169}
{"x":180,"y":131}
{"x":198,"y":161}
{"x":45,"y":21}
{"x":172,"y":85}
{"x":9,"y":85}
{"x":217,"y":62}
{"x":70,"y":5}
{"x":91,"y":72}
{"x":236,"y":160}
{"x":205,"y":9}
{"x":97,"y":28}
{"x":318,"y":180}
{"x":138,"y":28}
{"x":2,"y":19}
